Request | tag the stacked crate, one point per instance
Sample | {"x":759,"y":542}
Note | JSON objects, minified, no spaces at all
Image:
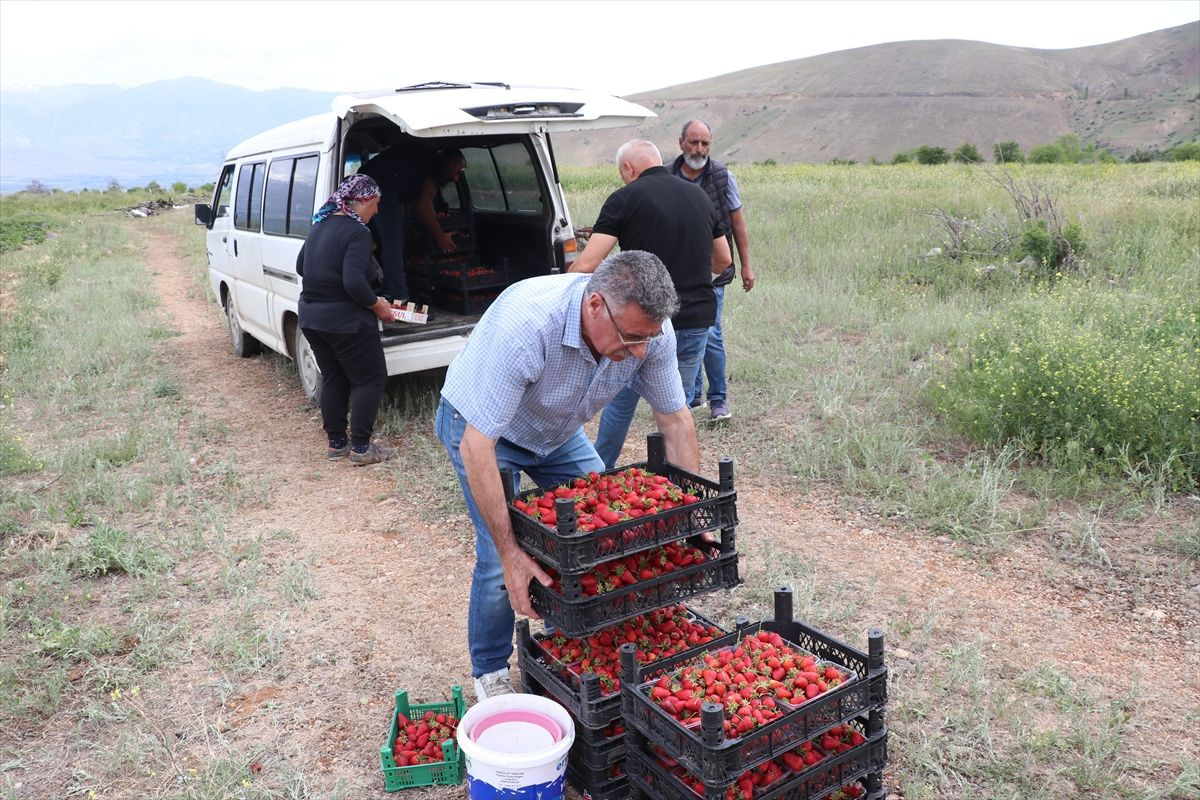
{"x":596,"y":766}
{"x":458,"y":282}
{"x":833,"y":744}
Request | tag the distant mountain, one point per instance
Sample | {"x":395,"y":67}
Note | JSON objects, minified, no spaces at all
{"x":177,"y":130}
{"x":1142,"y":92}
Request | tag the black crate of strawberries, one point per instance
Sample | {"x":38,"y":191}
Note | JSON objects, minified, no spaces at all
{"x":625,"y":548}
{"x":776,"y":710}
{"x":627,"y":541}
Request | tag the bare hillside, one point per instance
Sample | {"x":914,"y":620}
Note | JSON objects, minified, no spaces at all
{"x":1142,"y":92}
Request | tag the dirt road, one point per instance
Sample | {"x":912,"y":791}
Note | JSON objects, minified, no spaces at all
{"x":389,"y":574}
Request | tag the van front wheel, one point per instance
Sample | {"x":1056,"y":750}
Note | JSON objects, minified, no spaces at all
{"x":244,"y":345}
{"x":306,"y":366}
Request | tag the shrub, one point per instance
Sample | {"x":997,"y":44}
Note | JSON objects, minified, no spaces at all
{"x":1007,"y":153}
{"x":967,"y":153}
{"x":19,"y":230}
{"x":1188,"y":151}
{"x":927,"y":154}
{"x":1047,"y":154}
{"x":37,"y":187}
{"x":902,"y":158}
{"x":179,"y":187}
{"x":1085,"y":378}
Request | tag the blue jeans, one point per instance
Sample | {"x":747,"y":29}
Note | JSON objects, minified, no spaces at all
{"x":714,"y":359}
{"x":490,"y":617}
{"x":618,"y":414}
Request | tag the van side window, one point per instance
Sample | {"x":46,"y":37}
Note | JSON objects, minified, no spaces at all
{"x":275,"y":205}
{"x":503,"y":178}
{"x":221,"y":201}
{"x":247,"y":209}
{"x":304,"y":192}
{"x":291,"y":188}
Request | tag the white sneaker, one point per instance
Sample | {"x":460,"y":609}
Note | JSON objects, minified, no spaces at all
{"x":494,"y":684}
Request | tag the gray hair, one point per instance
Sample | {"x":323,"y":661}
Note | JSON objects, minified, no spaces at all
{"x":641,"y":153}
{"x":690,"y":123}
{"x":638,"y":277}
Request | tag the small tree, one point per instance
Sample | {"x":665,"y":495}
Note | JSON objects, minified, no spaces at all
{"x":178,"y":187}
{"x":927,"y":154}
{"x":37,"y":187}
{"x":1008,"y":153}
{"x":114,"y":185}
{"x":967,"y":153}
{"x":153,"y":186}
{"x":902,"y":158}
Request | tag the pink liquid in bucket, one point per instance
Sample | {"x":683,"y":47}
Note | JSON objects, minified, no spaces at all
{"x":516,"y":731}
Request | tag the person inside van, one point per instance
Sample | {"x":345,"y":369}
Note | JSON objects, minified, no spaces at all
{"x":411,"y":177}
{"x":337,"y":310}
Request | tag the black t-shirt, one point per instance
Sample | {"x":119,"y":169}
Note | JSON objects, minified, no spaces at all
{"x":335,"y":264}
{"x":676,"y":221}
{"x":401,"y":171}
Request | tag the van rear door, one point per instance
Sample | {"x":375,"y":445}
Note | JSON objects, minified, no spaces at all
{"x":460,"y":109}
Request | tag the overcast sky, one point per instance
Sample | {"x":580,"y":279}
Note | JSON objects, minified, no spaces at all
{"x":619,"y":47}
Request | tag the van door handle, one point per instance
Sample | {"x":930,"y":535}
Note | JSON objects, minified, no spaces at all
{"x":235,"y":248}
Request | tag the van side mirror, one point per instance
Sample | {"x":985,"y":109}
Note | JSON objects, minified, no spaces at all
{"x":203,"y":214}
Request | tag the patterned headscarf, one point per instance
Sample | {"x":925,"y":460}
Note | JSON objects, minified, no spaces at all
{"x":355,"y":187}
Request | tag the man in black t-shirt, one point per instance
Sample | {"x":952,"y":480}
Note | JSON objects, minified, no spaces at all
{"x":658,"y":213}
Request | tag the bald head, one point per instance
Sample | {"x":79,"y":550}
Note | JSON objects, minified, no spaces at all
{"x":635,"y":157}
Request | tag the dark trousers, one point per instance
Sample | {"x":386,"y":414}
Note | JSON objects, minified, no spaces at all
{"x":390,"y":224}
{"x":353,"y":374}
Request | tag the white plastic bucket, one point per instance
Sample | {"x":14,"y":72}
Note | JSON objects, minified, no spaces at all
{"x":516,"y":748}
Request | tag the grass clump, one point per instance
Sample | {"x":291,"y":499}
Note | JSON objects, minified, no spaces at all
{"x":1083,"y":378}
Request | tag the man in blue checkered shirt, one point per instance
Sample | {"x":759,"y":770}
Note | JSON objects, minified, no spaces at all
{"x":549,"y":354}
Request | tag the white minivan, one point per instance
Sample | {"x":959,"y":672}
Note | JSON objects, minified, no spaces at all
{"x":508,"y":208}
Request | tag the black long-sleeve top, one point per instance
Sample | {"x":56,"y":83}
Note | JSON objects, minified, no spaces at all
{"x":335,"y":265}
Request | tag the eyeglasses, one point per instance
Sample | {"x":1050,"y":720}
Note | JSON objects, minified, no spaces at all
{"x":627,"y":343}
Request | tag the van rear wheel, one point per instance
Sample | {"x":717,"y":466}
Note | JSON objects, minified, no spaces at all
{"x":244,"y":345}
{"x":306,"y":366}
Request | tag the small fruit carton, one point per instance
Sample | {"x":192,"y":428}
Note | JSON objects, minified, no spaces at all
{"x":602,"y":516}
{"x":421,"y":749}
{"x":410,"y":312}
{"x":726,"y":739}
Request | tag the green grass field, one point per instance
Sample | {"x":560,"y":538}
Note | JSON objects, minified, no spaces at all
{"x":969,"y":398}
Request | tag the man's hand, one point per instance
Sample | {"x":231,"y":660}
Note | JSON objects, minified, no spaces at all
{"x":445,"y":242}
{"x":747,"y":278}
{"x":519,"y":570}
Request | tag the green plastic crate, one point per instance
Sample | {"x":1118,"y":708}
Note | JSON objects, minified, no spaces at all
{"x":443,"y":773}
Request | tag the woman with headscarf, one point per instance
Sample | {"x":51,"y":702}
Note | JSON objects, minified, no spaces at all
{"x":338,"y":308}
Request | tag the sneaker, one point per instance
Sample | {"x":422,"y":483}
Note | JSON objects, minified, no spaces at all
{"x":698,"y":402}
{"x":494,"y":684}
{"x":720,"y":410}
{"x":372,"y":455}
{"x":335,"y":453}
